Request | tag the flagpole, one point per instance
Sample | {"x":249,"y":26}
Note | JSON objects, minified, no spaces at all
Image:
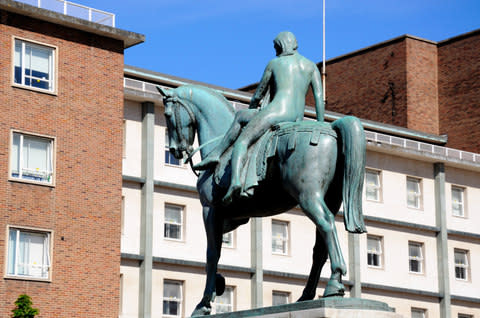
{"x":323,"y":59}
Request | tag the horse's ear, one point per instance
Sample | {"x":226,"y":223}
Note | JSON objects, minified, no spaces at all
{"x":163,"y":92}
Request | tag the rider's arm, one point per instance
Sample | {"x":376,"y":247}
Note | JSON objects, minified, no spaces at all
{"x":262,"y":87}
{"x":318,"y":94}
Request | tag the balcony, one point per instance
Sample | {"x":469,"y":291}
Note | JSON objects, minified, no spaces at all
{"x":74,"y":10}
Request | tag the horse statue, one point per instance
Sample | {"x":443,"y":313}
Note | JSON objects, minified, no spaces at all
{"x":322,"y":167}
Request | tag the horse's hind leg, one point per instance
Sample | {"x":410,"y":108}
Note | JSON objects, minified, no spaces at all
{"x":320,"y":255}
{"x":214,"y":229}
{"x":315,"y":208}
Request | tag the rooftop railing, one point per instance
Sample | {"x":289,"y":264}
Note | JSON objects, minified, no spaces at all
{"x":74,"y":10}
{"x":371,"y":136}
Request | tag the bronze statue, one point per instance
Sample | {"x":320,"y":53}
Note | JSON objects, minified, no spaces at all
{"x":289,"y":162}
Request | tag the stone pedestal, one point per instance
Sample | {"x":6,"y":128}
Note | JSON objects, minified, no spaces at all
{"x":335,"y":307}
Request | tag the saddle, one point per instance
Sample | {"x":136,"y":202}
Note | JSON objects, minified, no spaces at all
{"x":266,"y":147}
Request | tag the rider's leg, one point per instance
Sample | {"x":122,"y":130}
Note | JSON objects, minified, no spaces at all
{"x":257,"y":126}
{"x":242,"y":117}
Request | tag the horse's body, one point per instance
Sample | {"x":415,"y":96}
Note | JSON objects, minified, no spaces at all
{"x":316,"y":177}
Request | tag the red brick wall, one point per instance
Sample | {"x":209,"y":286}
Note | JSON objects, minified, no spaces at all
{"x":370,"y":84}
{"x":422,"y":97}
{"x":459,"y":91}
{"x":83,"y":209}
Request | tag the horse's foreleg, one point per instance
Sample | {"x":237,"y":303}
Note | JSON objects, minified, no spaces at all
{"x":214,"y":230}
{"x":316,"y":209}
{"x":320,"y":255}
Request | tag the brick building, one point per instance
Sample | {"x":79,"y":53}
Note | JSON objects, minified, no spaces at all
{"x":60,"y":138}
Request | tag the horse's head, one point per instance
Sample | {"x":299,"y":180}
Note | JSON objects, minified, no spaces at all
{"x":180,"y":122}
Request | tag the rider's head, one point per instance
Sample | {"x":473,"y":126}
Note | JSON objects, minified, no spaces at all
{"x":285,"y":43}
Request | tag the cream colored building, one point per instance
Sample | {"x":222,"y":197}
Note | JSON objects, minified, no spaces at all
{"x":421,"y":204}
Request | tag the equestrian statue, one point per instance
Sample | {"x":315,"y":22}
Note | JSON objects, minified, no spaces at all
{"x":267,"y":159}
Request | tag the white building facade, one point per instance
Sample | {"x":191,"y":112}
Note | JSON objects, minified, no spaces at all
{"x":421,"y":204}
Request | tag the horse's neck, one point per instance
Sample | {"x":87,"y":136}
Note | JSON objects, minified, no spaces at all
{"x":213,"y":121}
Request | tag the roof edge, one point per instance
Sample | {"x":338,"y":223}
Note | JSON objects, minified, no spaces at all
{"x":128,"y":38}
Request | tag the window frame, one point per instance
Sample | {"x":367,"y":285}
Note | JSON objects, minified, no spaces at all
{"x":232,"y":289}
{"x":286,"y":239}
{"x":418,"y":194}
{"x":421,"y":311}
{"x":53,"y":145}
{"x":232,"y":241}
{"x":380,"y":254}
{"x":379,"y":186}
{"x":50,"y":239}
{"x":420,"y":259}
{"x":462,"y":204}
{"x":53,"y":67}
{"x":287,"y":295}
{"x":181,"y":224}
{"x":465,"y":266}
{"x":182,"y":297}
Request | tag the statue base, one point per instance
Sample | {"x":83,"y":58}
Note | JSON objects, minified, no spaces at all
{"x":332,"y":307}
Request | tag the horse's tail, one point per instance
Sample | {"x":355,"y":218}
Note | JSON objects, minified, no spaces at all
{"x":352,"y":152}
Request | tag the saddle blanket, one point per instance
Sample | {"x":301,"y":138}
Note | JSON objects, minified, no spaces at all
{"x":265,"y":148}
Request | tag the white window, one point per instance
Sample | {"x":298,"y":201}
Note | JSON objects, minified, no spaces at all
{"x":28,"y":253}
{"x":34,"y":65}
{"x":461,"y":264}
{"x":418,"y":313}
{"x":415,"y":257}
{"x":414,"y":194}
{"x":172,"y":298}
{"x":224,"y":303}
{"x":280,"y":298}
{"x":373,"y":187}
{"x":374,"y":251}
{"x":227,"y":239}
{"x":31,"y":158}
{"x":458,"y":202}
{"x":279,"y":237}
{"x":173,"y":222}
{"x":169,"y":158}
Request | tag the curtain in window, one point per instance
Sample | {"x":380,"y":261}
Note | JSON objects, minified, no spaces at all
{"x":14,"y":162}
{"x":12,"y":251}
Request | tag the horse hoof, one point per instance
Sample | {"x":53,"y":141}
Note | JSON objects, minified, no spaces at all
{"x":219,"y":285}
{"x":334,"y":288}
{"x":202,"y":311}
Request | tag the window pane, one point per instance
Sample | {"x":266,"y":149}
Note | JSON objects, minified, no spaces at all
{"x":457,"y":201}
{"x":279,"y":237}
{"x":224,"y":303}
{"x":413,"y":193}
{"x":37,"y":68}
{"x":15,"y":157}
{"x":415,"y":250}
{"x":173,"y":214}
{"x":227,"y":239}
{"x":169,"y":158}
{"x":172,"y":298}
{"x":12,"y":251}
{"x":280,"y":298}
{"x":373,"y":245}
{"x":372,"y":180}
{"x":32,"y":259}
{"x":418,"y":313}
{"x":18,"y":62}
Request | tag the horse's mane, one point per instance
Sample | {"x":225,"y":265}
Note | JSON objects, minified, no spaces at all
{"x":187,"y":91}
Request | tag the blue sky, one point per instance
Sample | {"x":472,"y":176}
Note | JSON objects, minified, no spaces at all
{"x":229,"y":42}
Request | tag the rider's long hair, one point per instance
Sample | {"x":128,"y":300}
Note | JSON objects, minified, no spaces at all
{"x":287,"y":42}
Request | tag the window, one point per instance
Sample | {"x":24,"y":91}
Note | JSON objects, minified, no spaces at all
{"x":415,"y":257}
{"x":169,"y":158}
{"x":122,"y":216}
{"x":280,"y":298}
{"x":31,"y":158}
{"x":458,"y":205}
{"x":28,"y":253}
{"x":414,"y":195}
{"x":34,"y":65}
{"x":224,"y":303}
{"x":464,"y":316}
{"x":374,"y":251}
{"x":372,"y":182}
{"x":279,"y":237}
{"x":227,"y":239}
{"x":461,"y":264}
{"x":173,"y":222}
{"x":172,"y":298}
{"x":418,"y":313}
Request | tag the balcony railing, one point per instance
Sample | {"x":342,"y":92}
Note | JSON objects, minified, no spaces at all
{"x":74,"y":10}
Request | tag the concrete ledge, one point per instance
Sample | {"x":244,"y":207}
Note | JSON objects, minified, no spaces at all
{"x":321,"y":308}
{"x":128,"y":38}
